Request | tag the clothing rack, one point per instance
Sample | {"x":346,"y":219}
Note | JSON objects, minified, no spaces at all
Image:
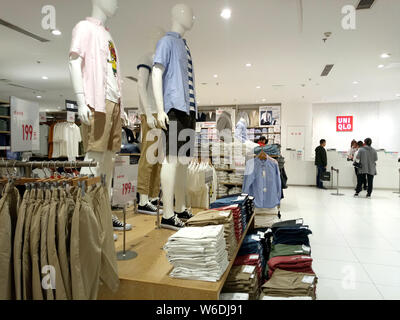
{"x":46,"y":164}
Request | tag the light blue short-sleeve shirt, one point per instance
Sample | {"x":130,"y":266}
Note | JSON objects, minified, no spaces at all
{"x":172,"y":54}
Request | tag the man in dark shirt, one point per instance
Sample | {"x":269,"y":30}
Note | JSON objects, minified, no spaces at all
{"x":321,"y":161}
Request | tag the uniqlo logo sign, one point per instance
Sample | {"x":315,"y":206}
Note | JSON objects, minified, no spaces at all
{"x":344,"y":124}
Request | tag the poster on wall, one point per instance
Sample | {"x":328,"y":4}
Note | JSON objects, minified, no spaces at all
{"x":270,"y":116}
{"x":228,"y":113}
{"x":24,"y":125}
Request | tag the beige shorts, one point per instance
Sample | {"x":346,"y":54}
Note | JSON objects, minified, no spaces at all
{"x":104,"y":132}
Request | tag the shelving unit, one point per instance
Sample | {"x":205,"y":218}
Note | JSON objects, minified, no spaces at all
{"x":5,"y":134}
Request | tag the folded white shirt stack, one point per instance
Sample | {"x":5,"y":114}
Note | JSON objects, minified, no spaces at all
{"x":198,"y":253}
{"x":265,"y":217}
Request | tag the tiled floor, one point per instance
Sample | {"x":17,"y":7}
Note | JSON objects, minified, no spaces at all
{"x":355,"y":242}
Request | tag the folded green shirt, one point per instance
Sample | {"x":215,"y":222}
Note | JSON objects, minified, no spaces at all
{"x":279,"y":250}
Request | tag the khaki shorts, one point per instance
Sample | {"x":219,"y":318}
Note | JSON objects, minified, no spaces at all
{"x":104,"y":132}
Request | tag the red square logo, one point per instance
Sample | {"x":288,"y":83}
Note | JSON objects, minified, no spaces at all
{"x":344,"y":124}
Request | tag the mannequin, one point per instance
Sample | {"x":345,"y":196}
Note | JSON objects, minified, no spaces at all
{"x":149,"y":172}
{"x":80,"y":72}
{"x":181,"y":108}
{"x":241,"y":130}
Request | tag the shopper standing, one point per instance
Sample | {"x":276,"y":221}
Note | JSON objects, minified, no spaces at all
{"x":352,"y":151}
{"x":321,"y":161}
{"x":368,"y":158}
{"x":361,"y":177}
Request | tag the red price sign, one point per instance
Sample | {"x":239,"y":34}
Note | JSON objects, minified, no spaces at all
{"x":127,"y":188}
{"x":27,"y":132}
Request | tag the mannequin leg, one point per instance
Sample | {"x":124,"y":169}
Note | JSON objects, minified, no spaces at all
{"x":168,"y":179}
{"x":180,"y":188}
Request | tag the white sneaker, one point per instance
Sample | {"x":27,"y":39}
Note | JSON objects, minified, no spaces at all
{"x":115,"y":237}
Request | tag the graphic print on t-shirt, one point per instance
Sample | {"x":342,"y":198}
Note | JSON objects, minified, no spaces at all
{"x":113,"y":57}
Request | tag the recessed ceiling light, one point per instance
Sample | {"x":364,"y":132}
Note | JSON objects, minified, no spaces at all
{"x":258,"y":87}
{"x":39,"y":97}
{"x":226,"y":14}
{"x":398,"y":95}
{"x":45,"y":78}
{"x":381,"y":66}
{"x":248,"y":65}
{"x":355,"y":82}
{"x":56,"y":32}
{"x":263,"y":100}
{"x":215,"y":76}
{"x":385,"y":55}
{"x":355,"y":96}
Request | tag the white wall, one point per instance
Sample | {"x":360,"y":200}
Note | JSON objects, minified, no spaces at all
{"x":298,"y":114}
{"x":375,"y":120}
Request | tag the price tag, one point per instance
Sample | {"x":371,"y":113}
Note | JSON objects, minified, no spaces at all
{"x":125,"y":182}
{"x":225,"y":214}
{"x":43,"y":117}
{"x":306,"y":249}
{"x":255,"y":238}
{"x":249,"y":269}
{"x":299,"y":221}
{"x":24,"y":125}
{"x":254,"y":257}
{"x":71,"y":116}
{"x":308,"y":279}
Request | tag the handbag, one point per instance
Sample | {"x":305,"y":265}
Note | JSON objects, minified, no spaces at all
{"x":326,"y":176}
{"x":358,"y":165}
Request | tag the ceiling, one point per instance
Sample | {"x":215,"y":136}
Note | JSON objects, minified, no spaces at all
{"x":266,"y":33}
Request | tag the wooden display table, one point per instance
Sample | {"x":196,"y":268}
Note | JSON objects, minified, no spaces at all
{"x":147,"y":276}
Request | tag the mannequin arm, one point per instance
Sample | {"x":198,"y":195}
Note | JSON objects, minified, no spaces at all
{"x":75,"y":68}
{"x":158,"y":71}
{"x":143,"y":80}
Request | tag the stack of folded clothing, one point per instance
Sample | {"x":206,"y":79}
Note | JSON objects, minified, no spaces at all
{"x":265,"y":218}
{"x":297,"y":263}
{"x":282,"y":250}
{"x":214,"y":217}
{"x":252,"y":245}
{"x":222,"y":176}
{"x":236,"y":177}
{"x":198,"y":253}
{"x":290,"y":284}
{"x":243,"y":202}
{"x":242,"y":279}
{"x":222,"y":190}
{"x":237,"y":219}
{"x":234,"y":190}
{"x":250,"y":260}
{"x":292,"y":235}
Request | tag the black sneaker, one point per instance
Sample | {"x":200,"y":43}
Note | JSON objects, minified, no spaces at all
{"x":368,"y":196}
{"x":119,"y":226}
{"x":356,"y":195}
{"x":148,"y":208}
{"x":155,"y":203}
{"x":185,"y":215}
{"x":173,"y":223}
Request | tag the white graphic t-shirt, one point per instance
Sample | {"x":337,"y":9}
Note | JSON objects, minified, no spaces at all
{"x":112,"y":93}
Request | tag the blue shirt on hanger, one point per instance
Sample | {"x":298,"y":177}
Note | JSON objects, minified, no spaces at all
{"x":262,"y":180}
{"x":178,"y":78}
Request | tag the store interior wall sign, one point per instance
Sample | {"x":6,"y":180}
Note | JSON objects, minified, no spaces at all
{"x":344,"y":123}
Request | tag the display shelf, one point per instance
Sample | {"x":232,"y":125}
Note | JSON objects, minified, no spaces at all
{"x":5,"y":148}
{"x":5,"y":132}
{"x":231,"y":184}
{"x":5,"y":117}
{"x":147,"y":276}
{"x":228,"y":170}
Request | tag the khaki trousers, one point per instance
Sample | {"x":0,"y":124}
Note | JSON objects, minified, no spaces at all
{"x":26,"y":252}
{"x":102,"y":210}
{"x":44,"y":220}
{"x":60,"y":293}
{"x":18,"y":242}
{"x":85,"y":250}
{"x":62,"y":241}
{"x":34,"y":240}
{"x":148,"y":174}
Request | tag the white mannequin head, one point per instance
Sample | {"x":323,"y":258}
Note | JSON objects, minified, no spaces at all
{"x":182,"y":18}
{"x":103,"y":9}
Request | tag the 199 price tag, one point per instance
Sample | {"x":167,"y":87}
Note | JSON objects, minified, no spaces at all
{"x":24,"y":125}
{"x":27,"y":132}
{"x":128,"y":188}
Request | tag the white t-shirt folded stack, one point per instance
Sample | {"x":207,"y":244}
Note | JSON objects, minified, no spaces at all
{"x":198,"y":253}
